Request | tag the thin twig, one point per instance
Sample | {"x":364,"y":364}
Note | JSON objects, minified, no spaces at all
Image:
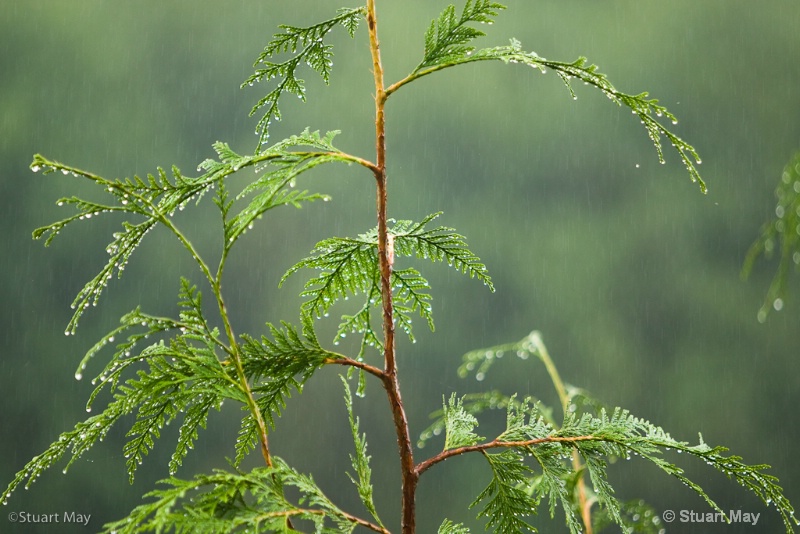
{"x":497,"y":443}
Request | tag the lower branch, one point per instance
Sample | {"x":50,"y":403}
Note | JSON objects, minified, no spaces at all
{"x":355,"y":363}
{"x":496,"y":444}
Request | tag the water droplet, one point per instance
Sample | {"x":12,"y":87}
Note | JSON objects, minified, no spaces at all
{"x":762,"y":316}
{"x":78,"y":376}
{"x":479,"y":377}
{"x":36,"y":168}
{"x":778,"y":304}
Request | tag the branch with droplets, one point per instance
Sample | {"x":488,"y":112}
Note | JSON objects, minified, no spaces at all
{"x":648,"y":110}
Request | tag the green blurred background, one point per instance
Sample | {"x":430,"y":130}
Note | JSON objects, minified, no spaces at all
{"x":631,"y":274}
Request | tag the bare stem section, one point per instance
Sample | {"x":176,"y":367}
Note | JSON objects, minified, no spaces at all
{"x":390,"y":381}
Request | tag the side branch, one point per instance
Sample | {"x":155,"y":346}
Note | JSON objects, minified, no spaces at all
{"x":355,"y":363}
{"x":495,"y":444}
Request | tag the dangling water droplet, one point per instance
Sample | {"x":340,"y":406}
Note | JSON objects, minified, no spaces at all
{"x":78,"y":376}
{"x":778,"y":304}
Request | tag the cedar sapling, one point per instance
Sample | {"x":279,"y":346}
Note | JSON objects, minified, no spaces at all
{"x":164,"y":369}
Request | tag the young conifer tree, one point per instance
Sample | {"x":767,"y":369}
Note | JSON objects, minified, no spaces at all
{"x":164,"y":369}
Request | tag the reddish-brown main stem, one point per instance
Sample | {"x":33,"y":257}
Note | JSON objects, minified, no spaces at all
{"x":390,"y":381}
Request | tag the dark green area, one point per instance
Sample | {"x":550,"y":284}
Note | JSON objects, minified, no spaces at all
{"x":630,"y":273}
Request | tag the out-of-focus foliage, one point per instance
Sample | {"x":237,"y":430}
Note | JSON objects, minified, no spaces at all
{"x":782,"y":232}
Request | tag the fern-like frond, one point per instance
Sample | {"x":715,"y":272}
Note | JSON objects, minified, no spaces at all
{"x":77,"y":441}
{"x":180,"y":376}
{"x":506,"y":502}
{"x":360,"y":323}
{"x":276,"y":365}
{"x":447,"y":37}
{"x":360,"y":461}
{"x":650,"y":112}
{"x":280,"y":166}
{"x":620,"y":434}
{"x":307,"y":47}
{"x":155,"y":199}
{"x":438,"y":244}
{"x":783,"y":231}
{"x":471,"y":403}
{"x":183,"y":377}
{"x":349,"y":266}
{"x":410,"y":296}
{"x":459,"y":424}
{"x":225,"y":502}
{"x":448,"y":527}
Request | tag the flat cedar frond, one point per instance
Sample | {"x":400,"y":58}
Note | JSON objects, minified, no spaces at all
{"x":192,"y":325}
{"x":155,"y":199}
{"x":307,"y":46}
{"x":507,"y":503}
{"x":281,"y":167}
{"x":620,"y":434}
{"x":784,"y":230}
{"x":360,"y":461}
{"x":448,"y":527}
{"x":181,"y":378}
{"x":649,"y":111}
{"x":479,"y":361}
{"x":447,"y":37}
{"x":458,"y":424}
{"x":439,"y":244}
{"x":350,"y":267}
{"x":276,"y":366}
{"x":471,"y":403}
{"x":225,"y":502}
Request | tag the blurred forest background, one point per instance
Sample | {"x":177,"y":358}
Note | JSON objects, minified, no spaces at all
{"x":630,"y":273}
